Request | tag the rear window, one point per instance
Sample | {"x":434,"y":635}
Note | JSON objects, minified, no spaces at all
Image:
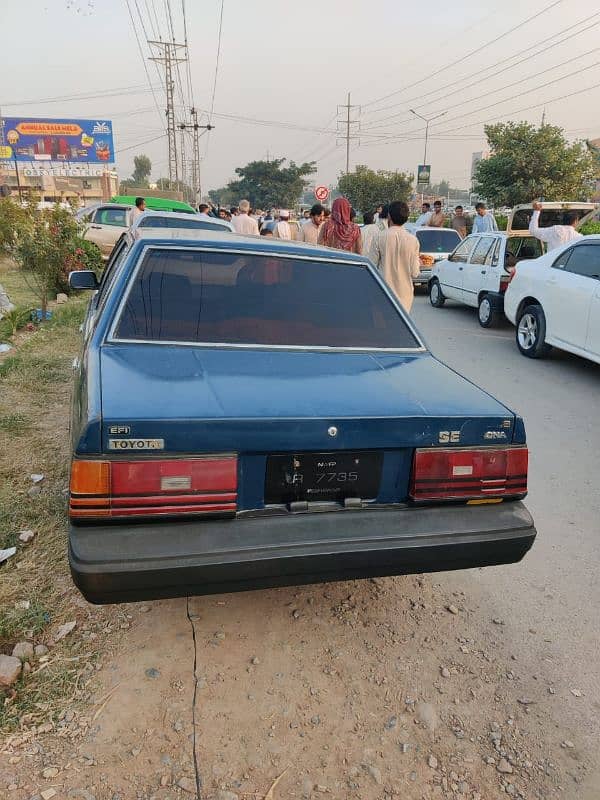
{"x":437,"y":241}
{"x":111,"y":216}
{"x":176,"y":222}
{"x":192,"y":296}
{"x":548,"y":217}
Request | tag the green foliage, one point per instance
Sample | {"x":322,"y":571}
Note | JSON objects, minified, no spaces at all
{"x":142,"y":169}
{"x":49,"y":246}
{"x":12,"y":218}
{"x":590,"y":227}
{"x":268,"y":184}
{"x":13,"y":320}
{"x":529,"y":162}
{"x":501,"y":221}
{"x":366,"y":188}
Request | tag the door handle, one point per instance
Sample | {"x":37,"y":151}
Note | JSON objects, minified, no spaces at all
{"x":460,"y":269}
{"x":96,"y":227}
{"x":483,"y":272}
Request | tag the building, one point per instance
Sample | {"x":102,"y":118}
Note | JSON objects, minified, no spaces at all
{"x":79,"y":184}
{"x":476,"y":158}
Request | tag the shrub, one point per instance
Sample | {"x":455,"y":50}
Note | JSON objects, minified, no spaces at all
{"x":13,"y":320}
{"x":590,"y":227}
{"x":501,"y":221}
{"x":12,"y":218}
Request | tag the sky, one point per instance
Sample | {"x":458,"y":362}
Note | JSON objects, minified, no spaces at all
{"x":284,"y":69}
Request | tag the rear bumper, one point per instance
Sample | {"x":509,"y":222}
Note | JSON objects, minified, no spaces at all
{"x":170,"y":559}
{"x":423,"y":278}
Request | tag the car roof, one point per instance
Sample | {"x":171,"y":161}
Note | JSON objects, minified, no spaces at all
{"x":223,"y":223}
{"x":257,"y":244}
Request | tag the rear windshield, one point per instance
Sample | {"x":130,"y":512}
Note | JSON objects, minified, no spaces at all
{"x":437,"y":241}
{"x":548,"y":217}
{"x":193,"y":296}
{"x":177,"y":222}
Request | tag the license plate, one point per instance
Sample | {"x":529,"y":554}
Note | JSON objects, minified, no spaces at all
{"x":314,"y":477}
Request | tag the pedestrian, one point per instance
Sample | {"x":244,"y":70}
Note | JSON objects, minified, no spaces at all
{"x":306,"y":214}
{"x":243,"y":223}
{"x":282,"y":228}
{"x":266,"y":231}
{"x":138,"y":209}
{"x":554,"y":235}
{"x":338,"y":231}
{"x":295,"y":227}
{"x":326,"y":213}
{"x":483,"y":222}
{"x":370,"y":234}
{"x":203,"y":212}
{"x":383,"y":218}
{"x":438,"y":218}
{"x":234,"y":211}
{"x":310,"y":229}
{"x":378,"y":211}
{"x":401,"y":259}
{"x":223,"y":213}
{"x":425,"y":214}
{"x":459,"y":222}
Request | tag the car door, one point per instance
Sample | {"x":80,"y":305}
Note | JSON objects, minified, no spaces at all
{"x":106,"y":225}
{"x":475,"y":270}
{"x":569,"y":287}
{"x":450,"y":271}
{"x":593,"y":335}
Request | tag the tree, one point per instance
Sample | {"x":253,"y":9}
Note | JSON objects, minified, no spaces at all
{"x":528,"y":162}
{"x":142,"y":169}
{"x":268,"y":184}
{"x":366,"y":189}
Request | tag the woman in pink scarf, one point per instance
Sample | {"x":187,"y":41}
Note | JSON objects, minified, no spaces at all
{"x":338,"y":231}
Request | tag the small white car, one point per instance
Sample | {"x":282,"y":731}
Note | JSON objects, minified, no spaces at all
{"x":555,"y":301}
{"x":479,"y":271}
{"x":174,"y":220}
{"x":435,"y":244}
{"x":105,"y":222}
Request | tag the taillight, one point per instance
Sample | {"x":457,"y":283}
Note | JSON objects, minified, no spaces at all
{"x":465,"y":474}
{"x":113,"y":489}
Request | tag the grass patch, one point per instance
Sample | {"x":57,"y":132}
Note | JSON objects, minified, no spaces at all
{"x":70,"y":315}
{"x":34,"y":369}
{"x":16,"y":424}
{"x":21,"y":623}
{"x":11,"y":278}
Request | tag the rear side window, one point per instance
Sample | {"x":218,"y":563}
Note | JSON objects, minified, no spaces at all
{"x":584,"y":260}
{"x":524,"y":247}
{"x":192,"y":296}
{"x":463,"y":250}
{"x":437,"y":240}
{"x":111,"y":216}
{"x":482,"y":249}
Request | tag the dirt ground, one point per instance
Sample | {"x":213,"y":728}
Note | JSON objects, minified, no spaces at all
{"x":374,"y":689}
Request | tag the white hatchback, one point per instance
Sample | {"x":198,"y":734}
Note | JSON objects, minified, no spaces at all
{"x":555,"y":301}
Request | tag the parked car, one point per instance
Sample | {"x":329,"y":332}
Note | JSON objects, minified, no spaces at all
{"x":236,"y":426}
{"x":555,"y":301}
{"x":155,"y":203}
{"x":105,"y":222}
{"x":435,"y":244}
{"x":479,"y":271}
{"x":160,"y":220}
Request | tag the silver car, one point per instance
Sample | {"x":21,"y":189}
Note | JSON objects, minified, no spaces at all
{"x":435,"y":244}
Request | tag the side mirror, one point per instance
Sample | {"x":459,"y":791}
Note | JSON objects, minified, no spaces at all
{"x":83,"y":279}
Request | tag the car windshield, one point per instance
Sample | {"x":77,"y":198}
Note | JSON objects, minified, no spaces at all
{"x":215,"y":297}
{"x":437,"y":240}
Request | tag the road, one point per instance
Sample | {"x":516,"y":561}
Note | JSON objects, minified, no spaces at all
{"x":470,"y":685}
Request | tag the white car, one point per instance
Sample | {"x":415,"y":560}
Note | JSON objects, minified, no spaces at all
{"x":479,"y":271}
{"x":435,"y":244}
{"x":174,"y":220}
{"x":555,"y":301}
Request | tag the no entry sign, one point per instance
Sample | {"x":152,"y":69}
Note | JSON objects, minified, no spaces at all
{"x":321,"y":193}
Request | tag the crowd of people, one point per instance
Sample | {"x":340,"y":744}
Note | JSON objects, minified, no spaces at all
{"x":482,"y":222}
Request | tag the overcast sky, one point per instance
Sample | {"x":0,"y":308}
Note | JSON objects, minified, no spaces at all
{"x":293,"y":64}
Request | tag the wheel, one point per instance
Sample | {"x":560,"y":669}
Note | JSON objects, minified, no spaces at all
{"x":531,"y":332}
{"x":436,"y":298}
{"x":486,"y":315}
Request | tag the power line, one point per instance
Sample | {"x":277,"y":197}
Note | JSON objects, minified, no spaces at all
{"x":139,"y":44}
{"x":469,"y":54}
{"x":116,"y":92}
{"x":440,"y":89}
{"x":140,"y":144}
{"x":214,"y":89}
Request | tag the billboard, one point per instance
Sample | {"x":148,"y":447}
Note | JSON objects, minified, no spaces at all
{"x":423,"y":174}
{"x":68,"y":141}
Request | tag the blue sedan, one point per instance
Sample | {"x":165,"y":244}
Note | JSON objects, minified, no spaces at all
{"x":254,"y":413}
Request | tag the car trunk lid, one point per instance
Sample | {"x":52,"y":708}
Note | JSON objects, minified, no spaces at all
{"x":551,"y":214}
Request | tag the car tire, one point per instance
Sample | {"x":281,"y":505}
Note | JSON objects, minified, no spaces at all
{"x":488,"y":318}
{"x":436,"y":298}
{"x":531,"y":332}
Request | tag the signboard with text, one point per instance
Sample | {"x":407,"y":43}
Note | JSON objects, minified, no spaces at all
{"x":83,"y":141}
{"x":423,"y":174}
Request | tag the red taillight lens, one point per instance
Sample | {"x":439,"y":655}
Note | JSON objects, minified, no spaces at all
{"x":463,"y":474}
{"x":113,"y":489}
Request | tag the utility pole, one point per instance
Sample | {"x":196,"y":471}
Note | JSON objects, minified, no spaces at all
{"x":543,"y":117}
{"x":195,"y":128}
{"x":167,"y":54}
{"x":426,"y":121}
{"x":348,"y":123}
{"x":182,"y":159}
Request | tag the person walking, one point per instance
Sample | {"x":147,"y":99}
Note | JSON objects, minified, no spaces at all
{"x":554,"y":235}
{"x":282,"y":228}
{"x":338,"y":231}
{"x":310,"y":229}
{"x":203,"y":212}
{"x":401,"y":257}
{"x":459,"y":222}
{"x":383,"y":218}
{"x":438,"y":218}
{"x":483,"y":222}
{"x":425,"y":214}
{"x":370,"y":234}
{"x":137,"y":210}
{"x":243,"y":222}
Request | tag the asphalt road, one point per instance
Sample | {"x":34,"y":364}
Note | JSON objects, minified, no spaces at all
{"x":555,"y":591}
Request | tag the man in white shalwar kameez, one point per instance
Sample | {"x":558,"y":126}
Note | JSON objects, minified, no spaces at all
{"x":401,"y":257}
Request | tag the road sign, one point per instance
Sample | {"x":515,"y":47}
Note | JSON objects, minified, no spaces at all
{"x":321,"y":193}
